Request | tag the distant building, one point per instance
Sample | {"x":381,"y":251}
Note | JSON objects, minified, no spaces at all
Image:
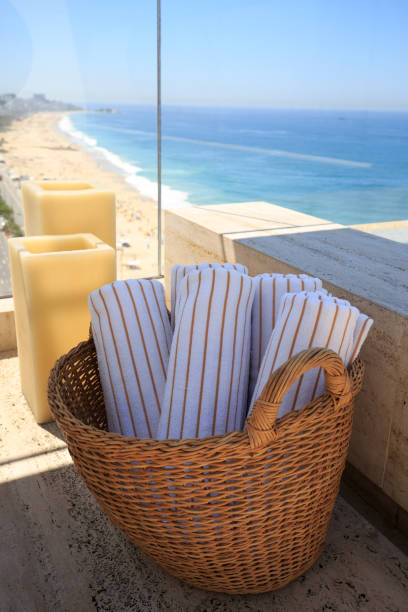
{"x":7,"y":97}
{"x":12,"y":106}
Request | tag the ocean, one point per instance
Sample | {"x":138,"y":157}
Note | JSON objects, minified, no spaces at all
{"x":348,"y":167}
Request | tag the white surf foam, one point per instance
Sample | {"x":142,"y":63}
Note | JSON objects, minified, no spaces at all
{"x":65,"y":125}
{"x":274,"y":152}
{"x":250,"y":149}
{"x":171,"y":198}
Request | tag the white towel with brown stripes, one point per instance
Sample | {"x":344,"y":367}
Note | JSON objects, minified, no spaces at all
{"x":362,"y":328}
{"x":206,"y":387}
{"x":179,"y":272}
{"x":308,"y":320}
{"x":270,"y":288}
{"x":132,"y":335}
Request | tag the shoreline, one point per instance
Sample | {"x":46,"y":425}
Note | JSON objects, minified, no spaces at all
{"x":133,"y":175}
{"x":37,"y":149}
{"x":100,"y":155}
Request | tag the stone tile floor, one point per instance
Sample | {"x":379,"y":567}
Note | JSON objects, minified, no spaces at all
{"x":59,"y":552}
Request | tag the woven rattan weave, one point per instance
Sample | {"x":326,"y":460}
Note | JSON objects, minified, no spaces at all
{"x":246,"y":512}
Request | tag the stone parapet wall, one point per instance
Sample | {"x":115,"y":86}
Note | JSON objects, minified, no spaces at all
{"x":365,"y":268}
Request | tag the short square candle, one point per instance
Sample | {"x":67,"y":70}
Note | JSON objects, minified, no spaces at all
{"x":52,"y":277}
{"x":54,"y":207}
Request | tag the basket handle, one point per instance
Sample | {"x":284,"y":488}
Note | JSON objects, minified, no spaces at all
{"x":261,"y":423}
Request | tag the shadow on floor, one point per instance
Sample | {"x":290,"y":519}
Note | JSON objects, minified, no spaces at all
{"x":60,"y":552}
{"x":54,"y":430}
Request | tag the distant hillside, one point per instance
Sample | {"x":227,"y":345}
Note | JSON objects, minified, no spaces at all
{"x":11,"y":105}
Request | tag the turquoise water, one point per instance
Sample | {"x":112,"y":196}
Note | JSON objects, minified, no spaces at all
{"x":346,"y":166}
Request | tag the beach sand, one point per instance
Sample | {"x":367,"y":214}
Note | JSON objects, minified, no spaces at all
{"x":36,"y":149}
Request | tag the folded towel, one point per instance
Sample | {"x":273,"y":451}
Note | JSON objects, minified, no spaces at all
{"x":132,"y":336}
{"x":206,"y":388}
{"x":306,"y":320}
{"x":179,"y":272}
{"x":270,"y":288}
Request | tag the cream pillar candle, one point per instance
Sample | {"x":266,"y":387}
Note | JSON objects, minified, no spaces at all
{"x":53,"y":207}
{"x":52,"y":277}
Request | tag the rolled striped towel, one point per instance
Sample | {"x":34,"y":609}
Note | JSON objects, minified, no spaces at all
{"x":363,"y":326}
{"x":207,"y":381}
{"x":179,"y":272}
{"x":270,"y":288}
{"x":132,"y":335}
{"x":306,"y":320}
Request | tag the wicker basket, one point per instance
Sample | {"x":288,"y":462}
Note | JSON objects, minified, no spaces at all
{"x":245,"y":512}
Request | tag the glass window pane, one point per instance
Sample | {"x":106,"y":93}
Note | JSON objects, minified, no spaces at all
{"x":78,"y":103}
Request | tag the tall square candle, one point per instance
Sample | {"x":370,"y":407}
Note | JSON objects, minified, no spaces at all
{"x":53,"y":207}
{"x":52,"y":277}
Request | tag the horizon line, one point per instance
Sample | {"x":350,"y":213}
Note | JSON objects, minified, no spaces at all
{"x":248,"y":106}
{"x":255,"y":106}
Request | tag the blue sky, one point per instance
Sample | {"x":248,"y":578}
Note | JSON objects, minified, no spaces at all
{"x":292,"y":53}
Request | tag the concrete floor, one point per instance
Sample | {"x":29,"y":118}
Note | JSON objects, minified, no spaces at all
{"x":59,"y":552}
